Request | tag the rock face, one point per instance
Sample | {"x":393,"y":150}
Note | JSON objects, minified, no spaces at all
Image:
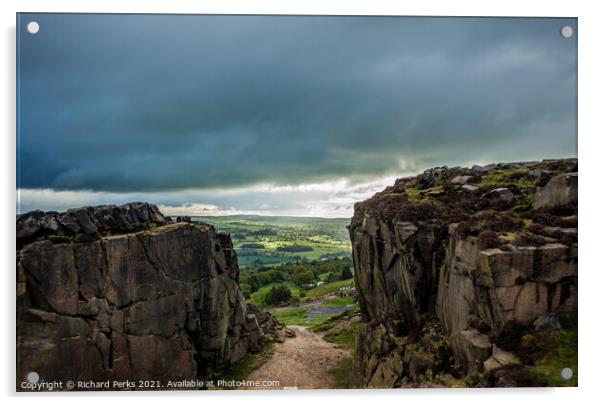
{"x":466,"y":261}
{"x":87,"y":223}
{"x":121,"y":293}
{"x":560,"y":190}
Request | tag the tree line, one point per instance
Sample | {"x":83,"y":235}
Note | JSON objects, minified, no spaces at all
{"x":305,"y":275}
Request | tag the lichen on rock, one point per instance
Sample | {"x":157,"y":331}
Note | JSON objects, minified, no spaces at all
{"x":122,"y":293}
{"x":470,"y":259}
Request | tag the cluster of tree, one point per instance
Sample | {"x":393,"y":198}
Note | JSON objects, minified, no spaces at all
{"x":264,"y":232}
{"x":334,"y":255}
{"x":304,"y":278}
{"x":344,"y":274}
{"x":257,"y":280}
{"x":304,"y":274}
{"x":278,"y":295}
{"x":295,"y":248}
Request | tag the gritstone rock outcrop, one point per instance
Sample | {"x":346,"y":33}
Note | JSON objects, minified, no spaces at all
{"x":447,"y":261}
{"x":122,"y":293}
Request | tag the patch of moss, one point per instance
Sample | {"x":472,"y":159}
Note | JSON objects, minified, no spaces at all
{"x":527,"y":222}
{"x":433,"y":190}
{"x":517,"y":177}
{"x":495,"y":176}
{"x":345,"y":336}
{"x":544,"y":353}
{"x":342,"y":373}
{"x":523,"y":203}
{"x":447,"y":380}
{"x":472,"y":380}
{"x":526,"y":182}
{"x":509,"y":236}
{"x":413,"y":194}
{"x":563,"y":354}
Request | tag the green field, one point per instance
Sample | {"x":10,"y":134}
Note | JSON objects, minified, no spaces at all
{"x":305,"y":281}
{"x":273,"y":240}
{"x":328,"y":288}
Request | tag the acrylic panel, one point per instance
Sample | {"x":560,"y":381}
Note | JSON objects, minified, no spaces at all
{"x":312,"y":202}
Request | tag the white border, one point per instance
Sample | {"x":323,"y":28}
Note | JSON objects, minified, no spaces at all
{"x":590,"y":284}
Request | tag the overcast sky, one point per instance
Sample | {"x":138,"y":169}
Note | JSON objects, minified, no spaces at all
{"x":279,"y":115}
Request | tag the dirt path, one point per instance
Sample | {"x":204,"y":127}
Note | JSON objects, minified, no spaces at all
{"x":302,"y":362}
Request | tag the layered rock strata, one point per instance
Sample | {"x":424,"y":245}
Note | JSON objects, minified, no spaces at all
{"x":446,"y":261}
{"x":121,"y":293}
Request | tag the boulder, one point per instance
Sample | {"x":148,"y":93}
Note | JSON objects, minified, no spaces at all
{"x":27,"y":226}
{"x":560,"y":190}
{"x":500,"y":194}
{"x":252,"y":326}
{"x":541,"y":175}
{"x":141,"y":211}
{"x":154,"y":215}
{"x":69,"y":221}
{"x":85,"y":222}
{"x":50,"y":223}
{"x":470,"y":188}
{"x":271,"y":330}
{"x":549,"y":321}
{"x":460,"y":179}
{"x":479,"y":169}
{"x":500,"y":358}
{"x":471,"y":348}
{"x":431,"y":177}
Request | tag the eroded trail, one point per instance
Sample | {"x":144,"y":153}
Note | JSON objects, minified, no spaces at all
{"x":302,"y":362}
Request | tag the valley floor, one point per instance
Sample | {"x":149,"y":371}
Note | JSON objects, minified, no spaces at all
{"x":302,"y":362}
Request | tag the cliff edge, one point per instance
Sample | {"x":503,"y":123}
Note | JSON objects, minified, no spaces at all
{"x":457,"y":267}
{"x":123,"y":293}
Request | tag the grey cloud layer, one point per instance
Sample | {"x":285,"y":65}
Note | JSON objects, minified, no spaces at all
{"x":150,"y":103}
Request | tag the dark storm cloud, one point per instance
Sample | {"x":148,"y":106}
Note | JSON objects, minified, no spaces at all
{"x":148,"y":103}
